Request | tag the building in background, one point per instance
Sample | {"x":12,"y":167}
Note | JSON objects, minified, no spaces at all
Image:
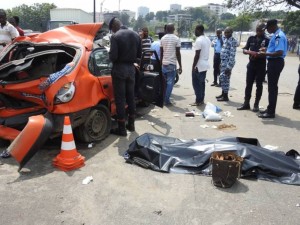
{"x":216,"y":8}
{"x":142,"y":11}
{"x":175,"y":7}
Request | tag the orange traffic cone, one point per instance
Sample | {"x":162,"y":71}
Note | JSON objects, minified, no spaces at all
{"x":68,"y":158}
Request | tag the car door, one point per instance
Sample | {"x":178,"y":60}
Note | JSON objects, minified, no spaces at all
{"x":150,"y":82}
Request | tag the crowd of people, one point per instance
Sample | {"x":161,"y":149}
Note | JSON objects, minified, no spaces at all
{"x":266,"y":58}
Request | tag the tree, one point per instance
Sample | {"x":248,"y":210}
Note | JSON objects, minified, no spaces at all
{"x":149,"y":16}
{"x":33,"y":17}
{"x":260,"y":4}
{"x":139,"y":24}
{"x":227,"y":16}
{"x":241,"y":23}
{"x":161,"y":15}
{"x":291,"y":23}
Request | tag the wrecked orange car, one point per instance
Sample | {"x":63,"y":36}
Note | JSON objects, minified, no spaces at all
{"x":65,"y":71}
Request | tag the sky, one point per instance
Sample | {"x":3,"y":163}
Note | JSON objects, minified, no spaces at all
{"x":111,"y":5}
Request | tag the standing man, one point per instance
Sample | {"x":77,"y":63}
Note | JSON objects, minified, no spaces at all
{"x":256,"y":68}
{"x":146,"y":45}
{"x":19,"y":29}
{"x":156,"y":47}
{"x":217,"y":45}
{"x":275,"y":53}
{"x":7,"y":31}
{"x":296,"y":104}
{"x":125,"y":48}
{"x":200,"y":64}
{"x":228,"y":52}
{"x":169,"y":53}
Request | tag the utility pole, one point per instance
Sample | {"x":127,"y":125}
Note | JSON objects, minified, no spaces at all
{"x":101,"y":14}
{"x":94,"y":11}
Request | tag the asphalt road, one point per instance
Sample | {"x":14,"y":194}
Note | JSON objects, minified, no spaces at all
{"x":126,"y":194}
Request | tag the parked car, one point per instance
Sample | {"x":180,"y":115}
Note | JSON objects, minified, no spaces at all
{"x":186,"y":43}
{"x":65,"y":71}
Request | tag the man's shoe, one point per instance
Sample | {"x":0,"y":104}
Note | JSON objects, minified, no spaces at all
{"x":214,"y":84}
{"x":218,"y":85}
{"x":296,"y":106}
{"x":264,"y":111}
{"x":244,"y":107}
{"x":220,"y":96}
{"x":255,"y":108}
{"x":266,"y":115}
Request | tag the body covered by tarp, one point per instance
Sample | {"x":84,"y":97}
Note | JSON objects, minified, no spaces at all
{"x":167,"y":154}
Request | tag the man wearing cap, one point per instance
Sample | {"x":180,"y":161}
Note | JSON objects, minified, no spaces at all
{"x":125,"y":48}
{"x":256,"y":68}
{"x":275,"y":54}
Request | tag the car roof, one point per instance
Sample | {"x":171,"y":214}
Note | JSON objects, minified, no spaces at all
{"x":78,"y":33}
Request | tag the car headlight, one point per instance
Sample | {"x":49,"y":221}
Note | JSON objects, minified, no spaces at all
{"x":65,"y":94}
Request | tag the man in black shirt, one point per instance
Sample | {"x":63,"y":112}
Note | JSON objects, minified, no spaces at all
{"x":256,"y":68}
{"x":125,"y":48}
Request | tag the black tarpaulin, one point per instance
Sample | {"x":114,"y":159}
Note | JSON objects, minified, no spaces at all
{"x":167,"y":154}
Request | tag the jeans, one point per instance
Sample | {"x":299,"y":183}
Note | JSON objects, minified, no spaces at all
{"x":198,"y":79}
{"x":169,"y":72}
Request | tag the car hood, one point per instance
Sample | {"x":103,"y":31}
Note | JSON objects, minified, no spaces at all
{"x":83,"y":34}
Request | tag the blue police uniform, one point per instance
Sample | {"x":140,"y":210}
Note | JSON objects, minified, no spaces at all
{"x":217,"y":44}
{"x":275,"y":65}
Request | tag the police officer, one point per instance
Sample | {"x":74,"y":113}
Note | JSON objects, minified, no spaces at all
{"x":217,"y":45}
{"x":256,"y":68}
{"x":275,"y":53}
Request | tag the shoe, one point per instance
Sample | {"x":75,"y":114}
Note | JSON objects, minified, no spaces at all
{"x":296,"y":106}
{"x":224,"y":98}
{"x":266,"y":115}
{"x":214,"y":84}
{"x":255,"y":108}
{"x":264,"y":111}
{"x":220,"y":96}
{"x":197,"y":104}
{"x":244,"y":107}
{"x":120,"y":130}
{"x":218,"y":85}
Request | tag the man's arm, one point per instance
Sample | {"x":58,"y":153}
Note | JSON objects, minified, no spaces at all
{"x":196,"y":58}
{"x":113,"y":52}
{"x":178,"y":56}
{"x":232,"y":52}
{"x":161,"y":55}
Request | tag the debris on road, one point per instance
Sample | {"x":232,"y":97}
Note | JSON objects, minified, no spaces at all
{"x":87,"y":180}
{"x":226,"y":126}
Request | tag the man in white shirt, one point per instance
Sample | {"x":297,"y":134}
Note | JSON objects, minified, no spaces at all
{"x":7,"y":31}
{"x":200,"y":64}
{"x":169,"y":55}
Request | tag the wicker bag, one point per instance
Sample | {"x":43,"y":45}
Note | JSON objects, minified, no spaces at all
{"x":226,"y":168}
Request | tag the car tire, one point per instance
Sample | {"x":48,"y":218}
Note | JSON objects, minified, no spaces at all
{"x":96,"y":126}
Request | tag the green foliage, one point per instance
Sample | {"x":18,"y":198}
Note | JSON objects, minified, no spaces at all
{"x":33,"y":17}
{"x":139,"y":24}
{"x":227,"y":16}
{"x":291,"y":23}
{"x":149,"y":16}
{"x":241,"y":23}
{"x":260,"y":5}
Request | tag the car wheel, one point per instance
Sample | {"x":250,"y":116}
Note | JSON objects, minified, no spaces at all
{"x":96,"y":126}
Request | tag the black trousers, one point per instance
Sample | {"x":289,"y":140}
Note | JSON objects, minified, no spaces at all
{"x":217,"y":62}
{"x":123,"y":84}
{"x":297,"y":92}
{"x":255,"y":72}
{"x":274,"y":68}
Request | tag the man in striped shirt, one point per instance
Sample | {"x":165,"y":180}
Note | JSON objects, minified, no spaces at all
{"x":146,"y":45}
{"x":169,"y":55}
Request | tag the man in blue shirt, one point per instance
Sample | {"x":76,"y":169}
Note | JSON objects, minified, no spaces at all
{"x":217,"y":45}
{"x":275,"y":54}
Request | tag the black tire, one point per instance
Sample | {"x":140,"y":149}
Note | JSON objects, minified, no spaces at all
{"x":96,"y":126}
